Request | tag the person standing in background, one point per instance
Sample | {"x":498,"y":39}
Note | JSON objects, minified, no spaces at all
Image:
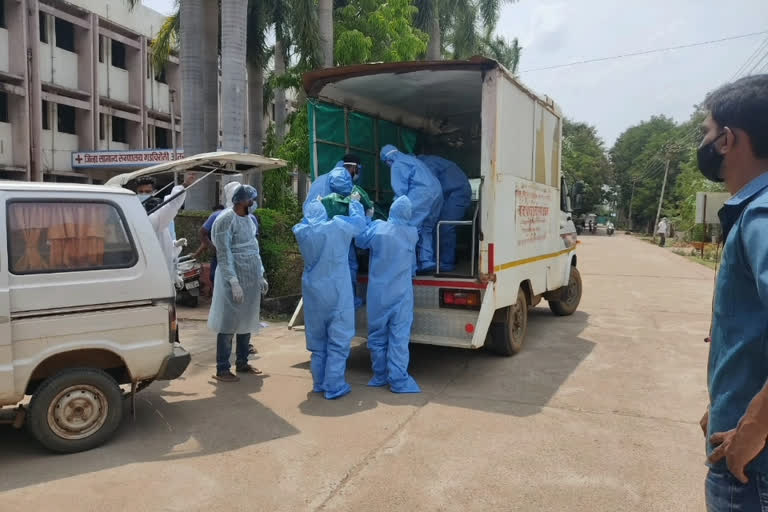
{"x":663,"y":231}
{"x":235,"y":309}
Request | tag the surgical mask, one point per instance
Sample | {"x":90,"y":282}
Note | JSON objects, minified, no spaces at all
{"x":144,"y":197}
{"x":252,"y":207}
{"x":710,"y":162}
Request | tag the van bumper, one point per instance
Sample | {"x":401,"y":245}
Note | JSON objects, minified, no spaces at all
{"x":175,"y":364}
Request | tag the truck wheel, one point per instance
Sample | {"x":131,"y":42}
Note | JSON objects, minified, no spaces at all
{"x":506,"y":338}
{"x":572,"y":296}
{"x":75,"y":410}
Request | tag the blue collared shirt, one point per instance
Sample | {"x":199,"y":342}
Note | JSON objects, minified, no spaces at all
{"x":738,"y":355}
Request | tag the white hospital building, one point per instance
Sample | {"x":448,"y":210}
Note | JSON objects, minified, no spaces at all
{"x":76,"y":79}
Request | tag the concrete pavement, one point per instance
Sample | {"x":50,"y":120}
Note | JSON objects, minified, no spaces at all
{"x":598,"y":413}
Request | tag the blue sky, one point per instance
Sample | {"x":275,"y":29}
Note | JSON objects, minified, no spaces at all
{"x":616,"y":94}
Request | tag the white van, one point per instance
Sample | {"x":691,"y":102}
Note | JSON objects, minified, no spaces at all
{"x":86,"y":305}
{"x":517,"y":242}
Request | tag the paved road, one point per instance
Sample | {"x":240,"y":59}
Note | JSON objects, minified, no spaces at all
{"x":598,"y":413}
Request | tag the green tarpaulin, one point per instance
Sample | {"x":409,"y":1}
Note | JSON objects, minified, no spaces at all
{"x":335,"y":131}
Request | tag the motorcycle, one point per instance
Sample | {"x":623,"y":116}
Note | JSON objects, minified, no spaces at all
{"x":188,"y":272}
{"x":609,"y":229}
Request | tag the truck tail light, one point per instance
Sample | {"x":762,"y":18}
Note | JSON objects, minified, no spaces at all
{"x":460,"y":299}
{"x":192,"y":273}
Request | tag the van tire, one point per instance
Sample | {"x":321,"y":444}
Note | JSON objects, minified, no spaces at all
{"x":99,"y":405}
{"x":572,"y":294}
{"x":506,"y":338}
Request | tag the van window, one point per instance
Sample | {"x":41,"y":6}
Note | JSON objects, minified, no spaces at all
{"x":47,"y":237}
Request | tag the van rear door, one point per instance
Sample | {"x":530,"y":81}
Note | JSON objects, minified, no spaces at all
{"x":6,"y":352}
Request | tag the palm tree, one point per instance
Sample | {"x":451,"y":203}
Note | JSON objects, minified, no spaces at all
{"x":234,"y":28}
{"x":325,"y":23}
{"x":508,"y":54}
{"x":457,"y":22}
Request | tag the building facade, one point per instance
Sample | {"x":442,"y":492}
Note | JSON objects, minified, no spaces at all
{"x":76,"y":78}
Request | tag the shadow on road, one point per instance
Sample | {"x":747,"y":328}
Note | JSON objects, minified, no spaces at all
{"x":169,"y":426}
{"x":520,"y":385}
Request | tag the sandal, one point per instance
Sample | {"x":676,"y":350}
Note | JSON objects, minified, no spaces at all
{"x":249,"y":369}
{"x":252,"y":349}
{"x":227,"y":377}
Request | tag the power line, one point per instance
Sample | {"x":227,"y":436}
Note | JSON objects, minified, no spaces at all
{"x":645,"y":52}
{"x":755,"y":60}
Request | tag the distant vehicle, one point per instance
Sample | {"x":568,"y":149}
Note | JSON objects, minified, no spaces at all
{"x":609,"y":228}
{"x":518,"y":239}
{"x":188,"y":281}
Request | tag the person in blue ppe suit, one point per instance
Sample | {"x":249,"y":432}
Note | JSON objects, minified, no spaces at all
{"x":457,"y":197}
{"x":411,"y":177}
{"x":390,"y":296}
{"x":240,"y":283}
{"x":329,"y":314}
{"x":340,"y":181}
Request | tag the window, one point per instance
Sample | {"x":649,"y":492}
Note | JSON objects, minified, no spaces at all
{"x":46,"y":113}
{"x":161,"y":138}
{"x":65,"y":35}
{"x":101,"y":48}
{"x":3,"y":107}
{"x":102,"y":127}
{"x":65,"y":119}
{"x":2,"y":14}
{"x":43,"y":19}
{"x":65,"y":237}
{"x":119,"y":133}
{"x":118,"y":54}
{"x":161,"y":77}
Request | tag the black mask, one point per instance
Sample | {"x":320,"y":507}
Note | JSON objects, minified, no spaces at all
{"x":710,"y":161}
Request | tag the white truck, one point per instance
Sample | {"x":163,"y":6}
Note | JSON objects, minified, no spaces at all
{"x":517,"y":243}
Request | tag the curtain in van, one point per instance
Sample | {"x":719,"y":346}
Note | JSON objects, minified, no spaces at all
{"x":76,"y":235}
{"x":30,"y":220}
{"x":58,"y":235}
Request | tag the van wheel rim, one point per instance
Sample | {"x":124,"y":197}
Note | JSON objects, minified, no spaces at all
{"x":78,"y":412}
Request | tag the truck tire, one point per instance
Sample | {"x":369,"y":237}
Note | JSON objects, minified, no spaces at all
{"x":572,"y":295}
{"x":75,"y":410}
{"x":506,"y":338}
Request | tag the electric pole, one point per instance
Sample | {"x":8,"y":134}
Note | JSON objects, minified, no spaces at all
{"x":663,"y":186}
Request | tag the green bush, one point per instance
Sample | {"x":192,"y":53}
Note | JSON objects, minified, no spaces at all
{"x":279,"y":251}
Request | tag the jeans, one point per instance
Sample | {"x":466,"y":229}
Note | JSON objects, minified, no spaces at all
{"x":224,"y":351}
{"x":726,"y":494}
{"x":662,"y":239}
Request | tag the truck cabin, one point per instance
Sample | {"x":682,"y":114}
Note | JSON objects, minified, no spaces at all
{"x":429,"y":108}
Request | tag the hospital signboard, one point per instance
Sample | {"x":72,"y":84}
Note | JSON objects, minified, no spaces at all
{"x":131,"y":158}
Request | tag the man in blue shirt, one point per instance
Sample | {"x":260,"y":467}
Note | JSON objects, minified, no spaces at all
{"x":735,"y":151}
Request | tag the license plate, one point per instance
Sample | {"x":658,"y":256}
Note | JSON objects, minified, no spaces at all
{"x":191,"y":285}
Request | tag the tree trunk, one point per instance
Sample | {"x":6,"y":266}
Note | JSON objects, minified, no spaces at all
{"x":233,"y":84}
{"x":434,"y":48}
{"x":279,"y":92}
{"x":210,"y":59}
{"x":192,"y":117}
{"x":325,"y":21}
{"x":256,"y":120}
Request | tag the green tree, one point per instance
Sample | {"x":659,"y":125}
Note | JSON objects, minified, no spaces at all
{"x":457,"y":27}
{"x":638,"y":168}
{"x":505,"y":52}
{"x":585,"y":159}
{"x":378,"y":31}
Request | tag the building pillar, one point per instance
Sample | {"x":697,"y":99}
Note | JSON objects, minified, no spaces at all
{"x":34,"y":91}
{"x":95,"y":103}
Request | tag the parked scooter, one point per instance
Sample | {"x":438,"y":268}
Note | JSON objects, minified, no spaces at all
{"x":609,"y":228}
{"x":188,"y":272}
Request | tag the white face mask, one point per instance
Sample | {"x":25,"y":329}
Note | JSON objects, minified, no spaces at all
{"x":144,"y":197}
